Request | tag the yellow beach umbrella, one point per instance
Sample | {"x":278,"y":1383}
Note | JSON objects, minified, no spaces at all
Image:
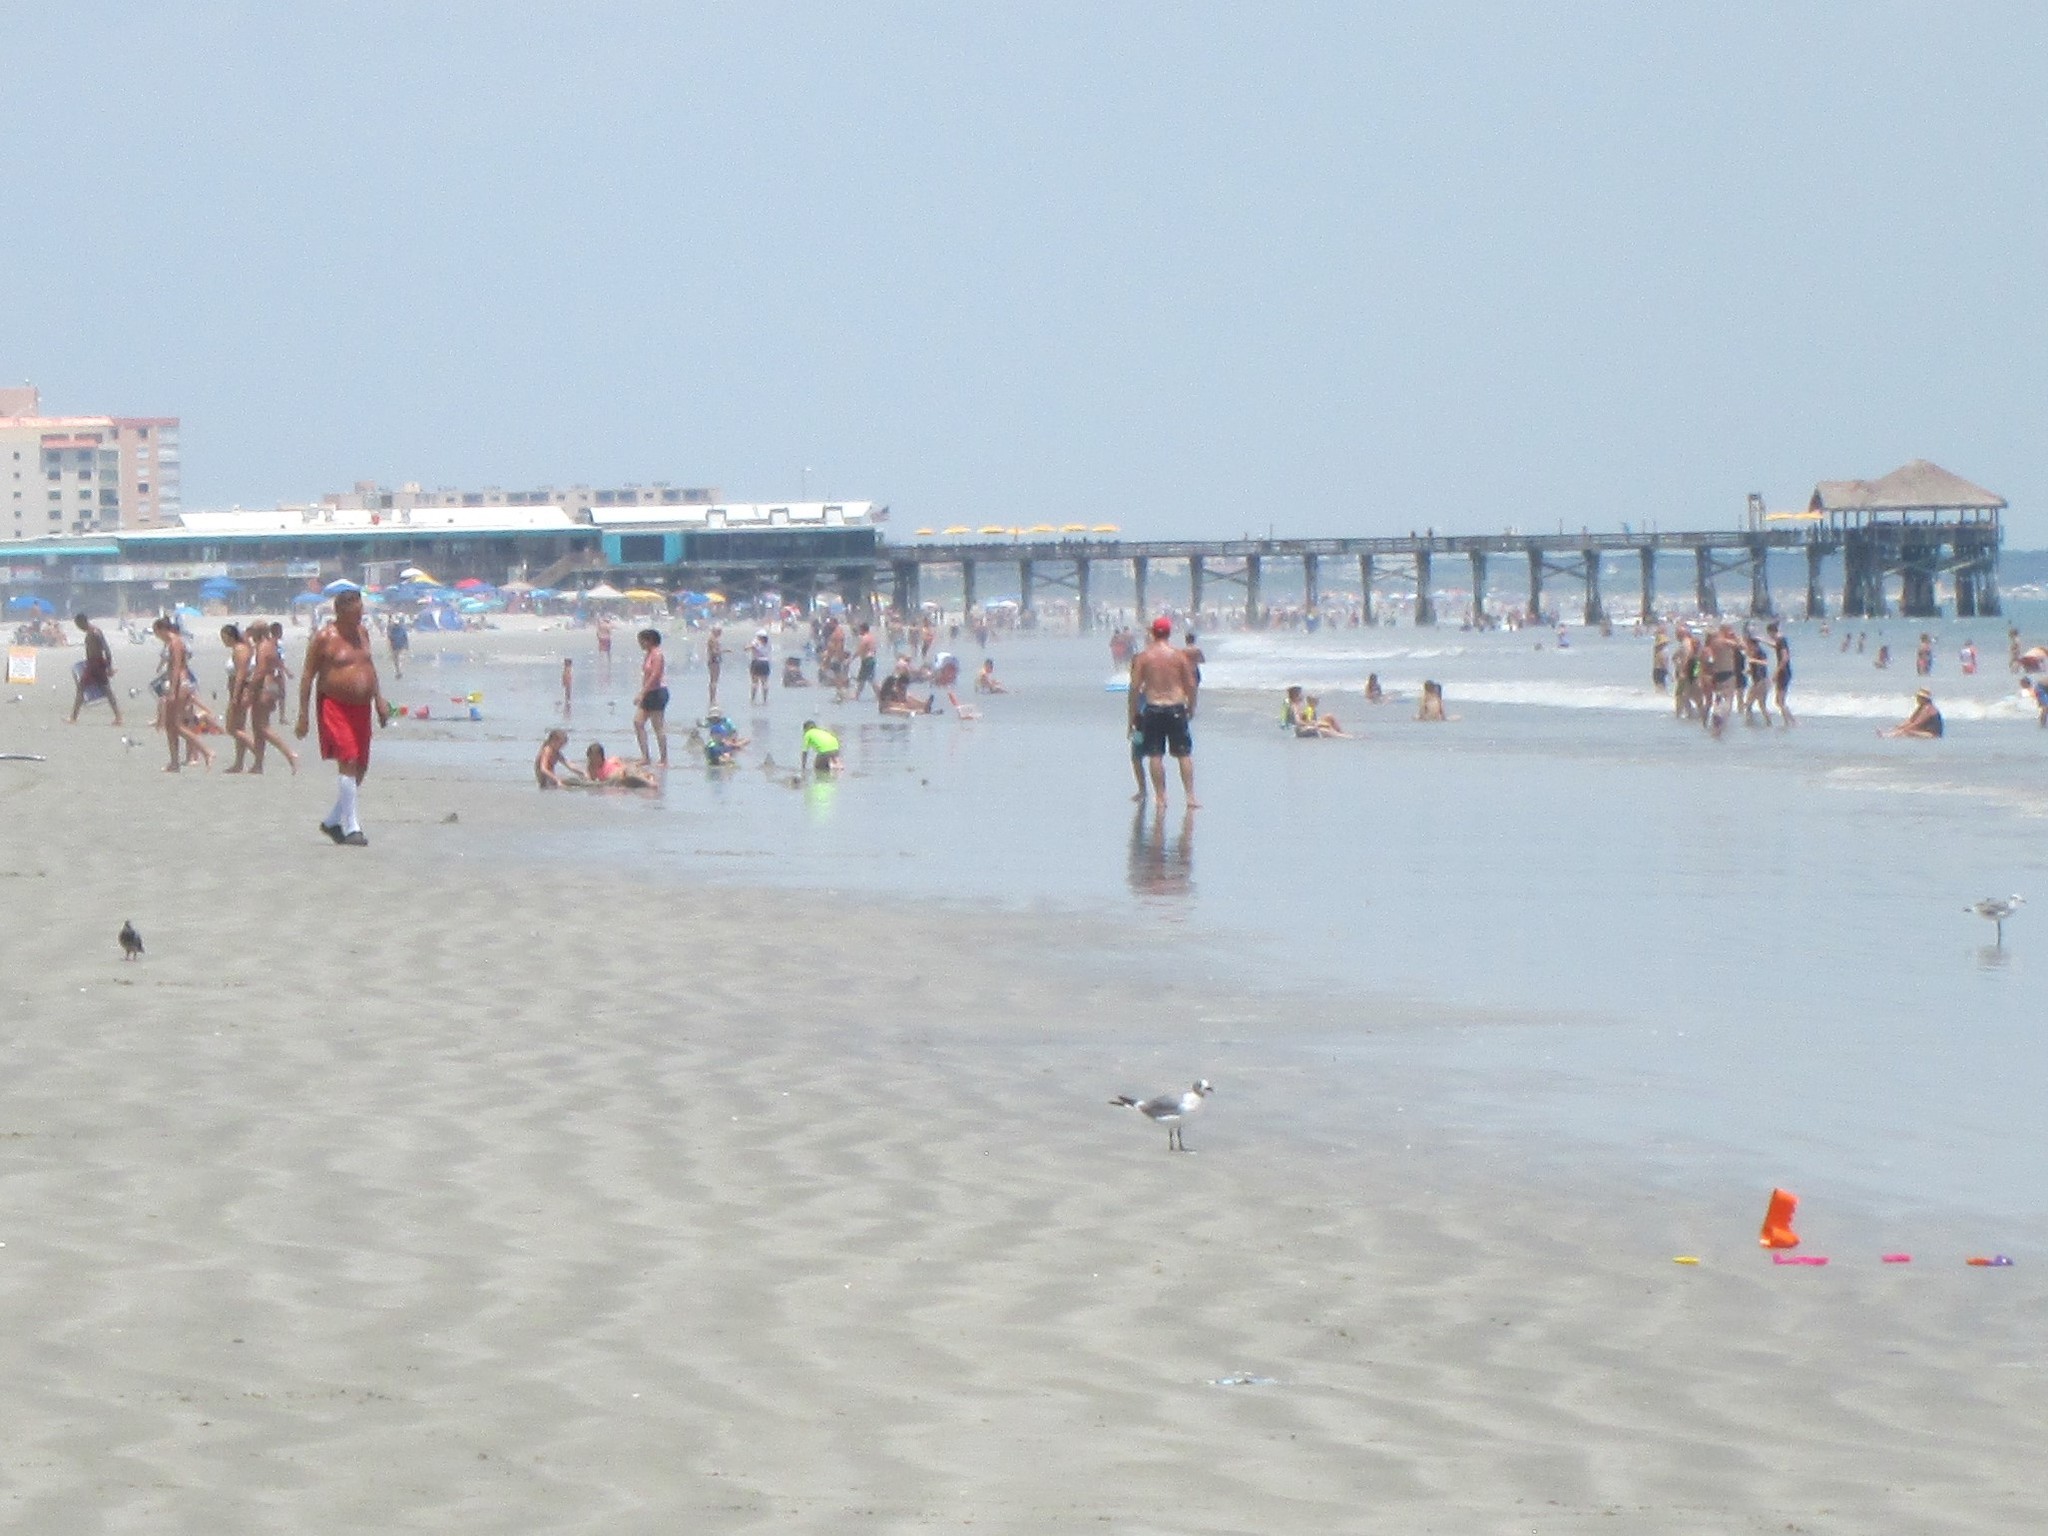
{"x":1073,"y":528}
{"x":1107,"y":528}
{"x":996,"y":530}
{"x":957,"y":529}
{"x":714,"y":597}
{"x":1043,"y":528}
{"x":924,"y":533}
{"x":646,"y":595}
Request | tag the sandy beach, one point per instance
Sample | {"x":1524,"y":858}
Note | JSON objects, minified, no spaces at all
{"x":414,"y":1188}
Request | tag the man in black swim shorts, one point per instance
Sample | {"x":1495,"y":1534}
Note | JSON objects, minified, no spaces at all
{"x":1161,"y":705}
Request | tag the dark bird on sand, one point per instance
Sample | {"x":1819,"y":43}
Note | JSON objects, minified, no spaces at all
{"x":131,"y":941}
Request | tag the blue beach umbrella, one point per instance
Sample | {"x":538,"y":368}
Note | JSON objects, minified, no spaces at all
{"x":28,"y":602}
{"x":340,"y":586}
{"x":307,"y":599}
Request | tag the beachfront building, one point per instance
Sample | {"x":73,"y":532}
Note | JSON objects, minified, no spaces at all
{"x":272,"y":555}
{"x":579,"y":501}
{"x":72,"y":475}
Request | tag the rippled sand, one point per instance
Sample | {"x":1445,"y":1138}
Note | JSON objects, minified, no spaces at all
{"x":410,"y":1189}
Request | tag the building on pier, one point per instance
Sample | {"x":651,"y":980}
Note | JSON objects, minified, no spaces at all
{"x":1918,"y":522}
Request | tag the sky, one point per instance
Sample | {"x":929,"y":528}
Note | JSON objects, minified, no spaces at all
{"x":1194,"y":269}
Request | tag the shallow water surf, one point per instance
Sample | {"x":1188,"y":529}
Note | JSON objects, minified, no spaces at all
{"x":1742,"y":959}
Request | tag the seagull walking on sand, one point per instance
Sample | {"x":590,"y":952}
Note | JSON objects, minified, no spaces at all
{"x":1169,"y":1110}
{"x":1997,"y":909}
{"x":131,"y":941}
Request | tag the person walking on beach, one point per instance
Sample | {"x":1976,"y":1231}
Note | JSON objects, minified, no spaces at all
{"x":96,"y":672}
{"x":714,"y":659}
{"x":1161,"y":706}
{"x":399,"y":638}
{"x":864,"y":648}
{"x":267,"y":693}
{"x":178,"y":695}
{"x":241,"y":661}
{"x":652,"y":708}
{"x":341,"y":668}
{"x":1781,"y":670}
{"x":760,"y":667}
{"x":604,"y":642}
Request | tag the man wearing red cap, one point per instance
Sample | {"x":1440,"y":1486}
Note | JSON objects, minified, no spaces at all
{"x":1160,"y":705}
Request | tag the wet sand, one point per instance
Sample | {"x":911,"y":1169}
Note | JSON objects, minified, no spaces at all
{"x":410,"y":1189}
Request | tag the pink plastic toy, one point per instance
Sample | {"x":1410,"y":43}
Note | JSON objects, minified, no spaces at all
{"x":1898,"y":1258}
{"x":1798,"y":1258}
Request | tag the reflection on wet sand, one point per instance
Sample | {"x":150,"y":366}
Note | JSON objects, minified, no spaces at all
{"x":1162,"y":865}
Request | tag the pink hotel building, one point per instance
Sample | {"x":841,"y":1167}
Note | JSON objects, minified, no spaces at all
{"x":83,"y":474}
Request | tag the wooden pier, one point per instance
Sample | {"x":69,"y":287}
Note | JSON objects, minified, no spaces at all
{"x":1916,"y":524}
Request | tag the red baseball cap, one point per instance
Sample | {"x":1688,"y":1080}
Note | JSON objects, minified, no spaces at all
{"x":1162,"y":627}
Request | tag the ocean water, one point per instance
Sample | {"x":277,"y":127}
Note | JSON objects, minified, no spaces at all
{"x":1563,"y":917}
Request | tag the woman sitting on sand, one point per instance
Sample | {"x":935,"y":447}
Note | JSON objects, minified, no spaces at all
{"x":985,"y":679}
{"x":793,"y":673}
{"x":610,"y":773}
{"x":552,"y":766}
{"x":1432,"y":703}
{"x":1374,"y":693}
{"x":1316,"y":723}
{"x":1290,"y":710}
{"x":1924,"y":724}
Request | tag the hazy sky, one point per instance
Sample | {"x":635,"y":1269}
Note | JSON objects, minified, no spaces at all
{"x":1188,"y":268}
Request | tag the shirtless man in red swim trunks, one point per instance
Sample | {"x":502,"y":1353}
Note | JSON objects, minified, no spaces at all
{"x":339,"y":664}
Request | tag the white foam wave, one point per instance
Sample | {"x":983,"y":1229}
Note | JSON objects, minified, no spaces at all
{"x":1632,"y":699}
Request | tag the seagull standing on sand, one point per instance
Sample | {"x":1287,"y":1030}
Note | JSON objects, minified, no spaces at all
{"x":1997,"y":909}
{"x":131,"y":941}
{"x":1169,"y":1109}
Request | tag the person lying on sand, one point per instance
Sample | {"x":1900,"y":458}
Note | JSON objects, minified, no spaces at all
{"x":609,"y":773}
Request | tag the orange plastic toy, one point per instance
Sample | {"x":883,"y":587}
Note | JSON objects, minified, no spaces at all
{"x":1778,"y":1231}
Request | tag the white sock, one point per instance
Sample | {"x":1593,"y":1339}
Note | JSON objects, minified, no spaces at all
{"x":342,"y":786}
{"x":348,"y":822}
